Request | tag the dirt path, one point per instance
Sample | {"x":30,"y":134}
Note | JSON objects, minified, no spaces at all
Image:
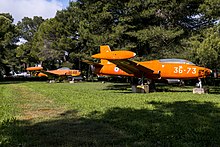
{"x":34,"y":106}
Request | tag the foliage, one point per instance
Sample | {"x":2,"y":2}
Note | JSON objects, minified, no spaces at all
{"x":28,"y":28}
{"x":205,"y":47}
{"x":210,"y":9}
{"x":153,"y":28}
{"x":8,"y":38}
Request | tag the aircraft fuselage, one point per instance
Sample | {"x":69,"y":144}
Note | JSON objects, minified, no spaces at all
{"x":167,"y":70}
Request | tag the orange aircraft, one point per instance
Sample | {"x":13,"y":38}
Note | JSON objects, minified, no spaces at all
{"x":118,"y":63}
{"x":60,"y":74}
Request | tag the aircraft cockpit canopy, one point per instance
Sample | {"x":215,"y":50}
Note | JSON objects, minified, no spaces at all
{"x":64,"y":68}
{"x":182,"y":61}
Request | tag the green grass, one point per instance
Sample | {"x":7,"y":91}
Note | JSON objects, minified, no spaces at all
{"x":96,"y":114}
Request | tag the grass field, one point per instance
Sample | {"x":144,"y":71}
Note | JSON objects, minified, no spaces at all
{"x":97,"y":114}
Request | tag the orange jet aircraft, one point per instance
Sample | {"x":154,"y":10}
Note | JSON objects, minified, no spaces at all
{"x":117,"y":63}
{"x":60,"y":74}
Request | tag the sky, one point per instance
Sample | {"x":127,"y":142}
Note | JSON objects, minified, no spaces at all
{"x":29,"y":8}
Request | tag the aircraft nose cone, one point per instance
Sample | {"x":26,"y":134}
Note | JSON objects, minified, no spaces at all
{"x":207,"y":72}
{"x":204,"y":72}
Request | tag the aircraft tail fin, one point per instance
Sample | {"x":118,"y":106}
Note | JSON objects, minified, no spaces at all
{"x":104,"y":49}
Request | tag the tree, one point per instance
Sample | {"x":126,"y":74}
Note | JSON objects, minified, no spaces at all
{"x":205,"y":47}
{"x":154,"y":29}
{"x":146,"y":27}
{"x":8,"y":39}
{"x":28,"y":28}
{"x":46,"y":44}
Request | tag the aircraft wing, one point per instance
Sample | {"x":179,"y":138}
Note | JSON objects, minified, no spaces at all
{"x":135,"y":68}
{"x":50,"y":74}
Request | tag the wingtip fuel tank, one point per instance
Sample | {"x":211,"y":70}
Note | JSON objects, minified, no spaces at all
{"x":115,"y":55}
{"x":34,"y":68}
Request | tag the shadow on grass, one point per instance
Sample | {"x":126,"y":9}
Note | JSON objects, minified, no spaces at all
{"x":117,"y":86}
{"x":171,"y":88}
{"x":17,"y":80}
{"x":214,"y":90}
{"x":187,"y":123}
{"x":11,"y":82}
{"x":126,"y":88}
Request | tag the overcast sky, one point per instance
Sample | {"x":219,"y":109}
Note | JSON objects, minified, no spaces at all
{"x":29,"y":8}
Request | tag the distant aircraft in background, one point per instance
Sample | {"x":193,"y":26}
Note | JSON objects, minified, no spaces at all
{"x":118,"y":63}
{"x":58,"y":74}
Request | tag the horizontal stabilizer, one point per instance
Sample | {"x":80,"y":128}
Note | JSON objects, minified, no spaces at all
{"x":92,"y":63}
{"x":115,"y":55}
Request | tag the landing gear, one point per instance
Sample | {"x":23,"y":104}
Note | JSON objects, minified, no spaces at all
{"x":200,"y":89}
{"x":152,"y":86}
{"x":199,"y":84}
{"x":51,"y":81}
{"x":141,"y":86}
{"x":182,"y":83}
